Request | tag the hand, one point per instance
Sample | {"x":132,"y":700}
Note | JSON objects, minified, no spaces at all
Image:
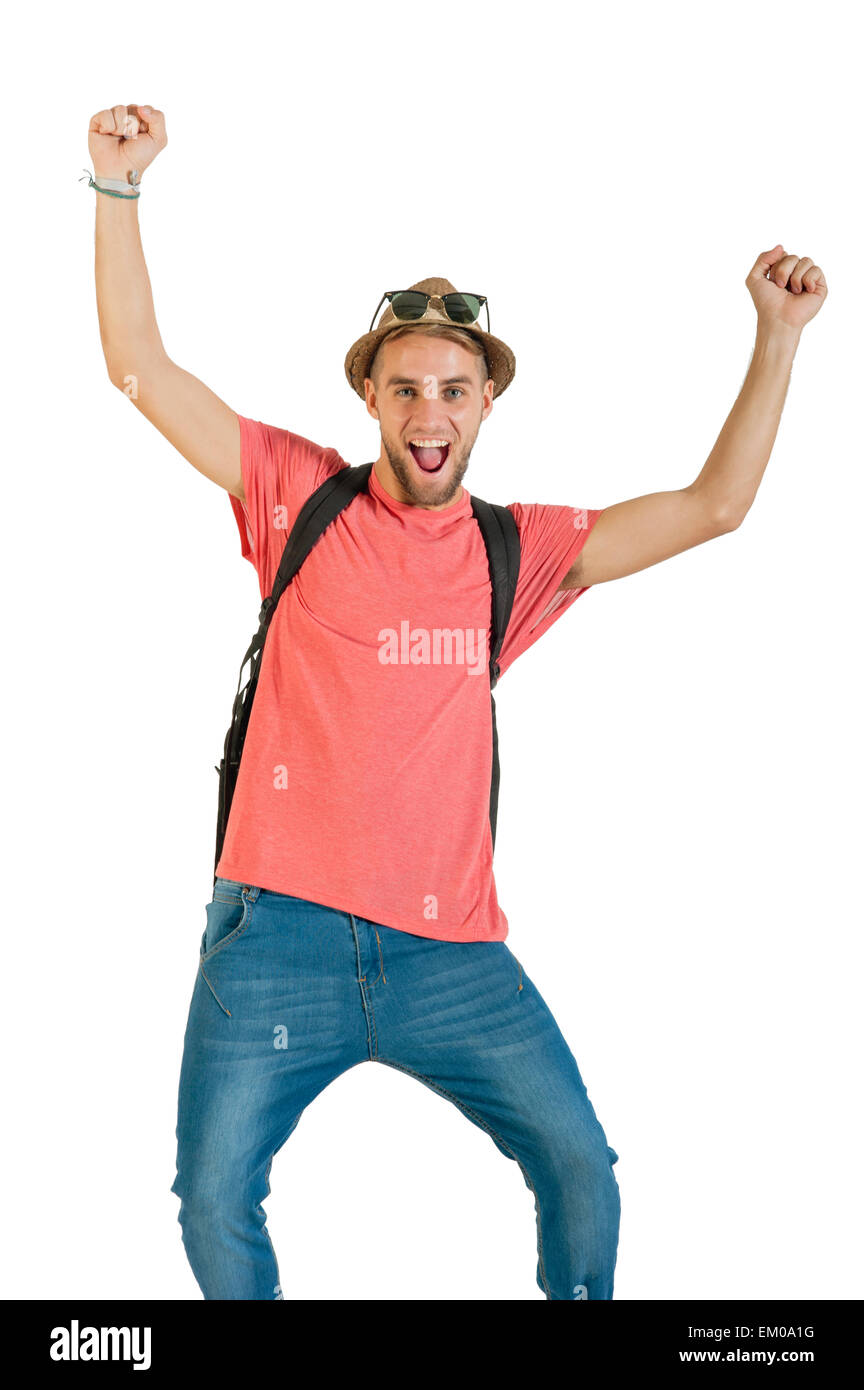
{"x":786,"y":289}
{"x":124,"y":138}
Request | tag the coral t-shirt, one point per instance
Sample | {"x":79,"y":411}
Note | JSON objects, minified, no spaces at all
{"x":365,"y":777}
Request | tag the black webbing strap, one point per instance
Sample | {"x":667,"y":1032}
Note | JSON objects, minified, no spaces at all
{"x":501,"y":535}
{"x":314,"y":517}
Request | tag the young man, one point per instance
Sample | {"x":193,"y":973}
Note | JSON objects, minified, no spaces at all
{"x":354,"y":915}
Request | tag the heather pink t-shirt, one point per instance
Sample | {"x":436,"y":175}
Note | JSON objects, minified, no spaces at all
{"x":365,"y":776}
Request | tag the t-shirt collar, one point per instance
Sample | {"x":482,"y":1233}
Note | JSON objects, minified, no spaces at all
{"x":420,"y":516}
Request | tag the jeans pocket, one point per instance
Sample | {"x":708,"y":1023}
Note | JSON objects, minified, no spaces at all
{"x":229,"y":914}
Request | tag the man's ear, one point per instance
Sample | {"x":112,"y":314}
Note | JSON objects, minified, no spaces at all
{"x":488,"y":394}
{"x":371,"y":398}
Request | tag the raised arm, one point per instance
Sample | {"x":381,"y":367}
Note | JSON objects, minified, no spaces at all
{"x":201,"y":427}
{"x":787,"y":291}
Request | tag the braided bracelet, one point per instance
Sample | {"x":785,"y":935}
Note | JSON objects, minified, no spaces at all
{"x":113,"y":186}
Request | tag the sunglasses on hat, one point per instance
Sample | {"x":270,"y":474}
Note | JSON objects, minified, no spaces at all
{"x":409,"y":305}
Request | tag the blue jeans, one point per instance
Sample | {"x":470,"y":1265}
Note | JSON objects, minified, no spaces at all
{"x":290,"y":994}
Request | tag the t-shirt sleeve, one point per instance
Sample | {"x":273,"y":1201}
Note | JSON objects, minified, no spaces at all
{"x":550,"y":540}
{"x":280,"y":470}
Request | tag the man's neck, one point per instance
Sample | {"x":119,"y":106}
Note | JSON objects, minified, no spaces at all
{"x":391,"y":485}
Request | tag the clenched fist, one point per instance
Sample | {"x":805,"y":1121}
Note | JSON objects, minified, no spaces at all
{"x":786,"y":288}
{"x":124,"y":138}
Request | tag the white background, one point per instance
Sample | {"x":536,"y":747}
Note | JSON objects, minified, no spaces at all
{"x":679,"y":822}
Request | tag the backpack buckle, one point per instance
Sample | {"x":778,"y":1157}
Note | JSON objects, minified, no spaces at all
{"x":265,"y":609}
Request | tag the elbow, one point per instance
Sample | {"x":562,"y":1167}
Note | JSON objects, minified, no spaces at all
{"x":716,"y":515}
{"x":128,"y":367}
{"x":723,"y":516}
{"x":123,"y":379}
{"x":728,"y":520}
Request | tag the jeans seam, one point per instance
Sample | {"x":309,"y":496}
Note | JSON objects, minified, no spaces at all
{"x":478,"y":1120}
{"x":380,"y":975}
{"x":364,"y":995}
{"x":373,"y":1032}
{"x":212,"y":991}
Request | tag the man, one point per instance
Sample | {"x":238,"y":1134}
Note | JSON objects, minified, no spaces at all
{"x":354,"y":915}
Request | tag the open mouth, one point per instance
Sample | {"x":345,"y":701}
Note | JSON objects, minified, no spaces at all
{"x":430,"y":454}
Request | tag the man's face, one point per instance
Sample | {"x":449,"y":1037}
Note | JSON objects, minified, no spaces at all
{"x":428,"y":390}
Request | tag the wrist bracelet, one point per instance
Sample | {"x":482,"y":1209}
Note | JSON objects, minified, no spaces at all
{"x":114,"y":187}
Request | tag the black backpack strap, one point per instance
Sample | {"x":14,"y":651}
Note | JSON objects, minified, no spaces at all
{"x":314,"y":517}
{"x":316,"y":514}
{"x":319,"y":509}
{"x":501,"y":536}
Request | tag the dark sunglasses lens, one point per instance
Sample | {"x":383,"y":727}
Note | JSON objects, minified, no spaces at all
{"x":409,"y":304}
{"x":462,"y":308}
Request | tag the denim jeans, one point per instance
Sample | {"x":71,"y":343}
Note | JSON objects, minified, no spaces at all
{"x":290,"y":994}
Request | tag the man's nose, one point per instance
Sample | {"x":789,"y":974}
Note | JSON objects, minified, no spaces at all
{"x":431,"y":411}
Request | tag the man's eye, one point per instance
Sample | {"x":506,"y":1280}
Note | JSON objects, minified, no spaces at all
{"x":410,"y":389}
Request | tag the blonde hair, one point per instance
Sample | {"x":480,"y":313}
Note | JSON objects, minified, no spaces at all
{"x":438,"y":330}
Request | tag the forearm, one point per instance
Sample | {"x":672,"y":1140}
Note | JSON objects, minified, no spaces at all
{"x":127,"y":318}
{"x":735,"y":467}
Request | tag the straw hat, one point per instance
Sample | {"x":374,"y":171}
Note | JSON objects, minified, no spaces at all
{"x":502,"y":363}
